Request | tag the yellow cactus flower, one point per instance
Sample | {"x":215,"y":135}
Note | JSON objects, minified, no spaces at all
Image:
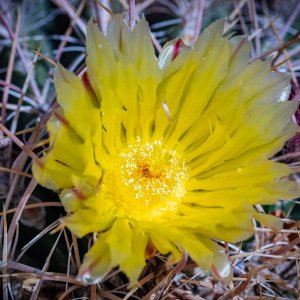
{"x":172,"y":152}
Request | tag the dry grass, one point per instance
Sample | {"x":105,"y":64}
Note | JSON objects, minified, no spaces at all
{"x":36,"y":264}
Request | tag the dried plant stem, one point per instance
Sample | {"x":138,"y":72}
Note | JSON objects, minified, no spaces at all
{"x":179,"y":267}
{"x":156,"y":43}
{"x":282,"y":46}
{"x":36,"y":273}
{"x":69,"y":31}
{"x":12,"y":228}
{"x":289,"y":64}
{"x":287,"y":156}
{"x":68,"y":291}
{"x":11,"y":170}
{"x":34,"y":205}
{"x":33,"y":83}
{"x":71,"y":12}
{"x":20,"y":161}
{"x":20,"y":144}
{"x":254,"y":20}
{"x":238,"y":7}
{"x":46,"y":58}
{"x":200,"y":6}
{"x":10,"y":69}
{"x":105,"y":8}
{"x":5,"y":257}
{"x":46,"y":230}
{"x":14,"y":123}
{"x":93,"y":292}
{"x":37,"y":287}
{"x":132,"y":14}
{"x":76,"y":251}
{"x":71,"y":260}
{"x":292,"y":18}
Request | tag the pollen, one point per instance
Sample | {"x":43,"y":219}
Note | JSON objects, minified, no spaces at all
{"x":147,"y":182}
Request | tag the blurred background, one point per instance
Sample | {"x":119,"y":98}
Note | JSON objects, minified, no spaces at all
{"x":36,"y":35}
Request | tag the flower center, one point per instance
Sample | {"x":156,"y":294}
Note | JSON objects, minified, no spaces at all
{"x":148,"y":181}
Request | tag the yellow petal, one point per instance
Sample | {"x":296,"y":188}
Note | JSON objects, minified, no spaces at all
{"x":211,"y":70}
{"x":269,"y":221}
{"x":61,"y":164}
{"x":160,"y":239}
{"x":240,"y":55}
{"x":77,"y":222}
{"x":210,"y":37}
{"x":196,"y":247}
{"x":119,"y":241}
{"x":221,"y":268}
{"x":229,"y":224}
{"x":76,"y":103}
{"x":97,"y":263}
{"x":134,"y":264}
{"x":257,"y":174}
{"x":128,"y":85}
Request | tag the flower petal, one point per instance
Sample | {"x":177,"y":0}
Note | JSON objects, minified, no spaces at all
{"x":119,"y":241}
{"x":231,"y":224}
{"x":197,"y":248}
{"x":128,"y":86}
{"x":221,"y":268}
{"x":210,"y":37}
{"x":257,"y":174}
{"x":77,"y":222}
{"x":211,"y":69}
{"x":134,"y":264}
{"x":76,"y":103}
{"x":97,"y":262}
{"x":164,"y":245}
{"x":269,"y":221}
